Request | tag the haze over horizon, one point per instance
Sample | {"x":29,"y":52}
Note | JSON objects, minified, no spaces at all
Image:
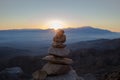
{"x":39,"y":14}
{"x":73,"y":28}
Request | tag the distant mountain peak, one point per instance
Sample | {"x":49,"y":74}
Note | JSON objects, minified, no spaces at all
{"x":90,"y":27}
{"x":90,"y":30}
{"x":86,"y":27}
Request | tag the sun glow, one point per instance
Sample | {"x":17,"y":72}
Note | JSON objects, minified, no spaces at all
{"x":56,"y":25}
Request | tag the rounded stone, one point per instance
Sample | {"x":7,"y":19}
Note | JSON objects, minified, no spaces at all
{"x":62,"y":52}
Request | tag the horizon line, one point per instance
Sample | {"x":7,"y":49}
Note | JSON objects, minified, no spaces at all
{"x":53,"y":29}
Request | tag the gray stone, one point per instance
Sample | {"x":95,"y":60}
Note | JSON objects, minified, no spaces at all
{"x":13,"y":73}
{"x":13,"y":70}
{"x":56,"y":69}
{"x":58,"y":60}
{"x":62,"y":52}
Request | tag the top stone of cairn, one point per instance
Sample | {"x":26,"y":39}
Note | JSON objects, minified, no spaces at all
{"x":59,"y":39}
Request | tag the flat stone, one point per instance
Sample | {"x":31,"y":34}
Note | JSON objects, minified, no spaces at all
{"x":13,"y":70}
{"x":58,"y":60}
{"x":62,"y":52}
{"x":71,"y":75}
{"x":56,"y":69}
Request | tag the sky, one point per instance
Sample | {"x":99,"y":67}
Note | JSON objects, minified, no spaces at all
{"x":40,"y":14}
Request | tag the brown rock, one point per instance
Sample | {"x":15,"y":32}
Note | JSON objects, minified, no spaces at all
{"x":55,"y":69}
{"x":39,"y":75}
{"x":58,"y":60}
{"x":59,"y":37}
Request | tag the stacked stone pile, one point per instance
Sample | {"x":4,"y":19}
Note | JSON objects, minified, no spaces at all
{"x":58,"y":61}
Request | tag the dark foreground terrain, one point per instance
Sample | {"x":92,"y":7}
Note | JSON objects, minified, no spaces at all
{"x":97,"y":59}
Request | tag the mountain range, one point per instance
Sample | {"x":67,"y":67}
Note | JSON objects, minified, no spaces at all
{"x":79,"y":34}
{"x":84,"y":29}
{"x":37,"y":41}
{"x":89,"y":29}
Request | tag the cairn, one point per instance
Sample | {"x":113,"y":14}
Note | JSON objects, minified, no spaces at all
{"x":58,"y":61}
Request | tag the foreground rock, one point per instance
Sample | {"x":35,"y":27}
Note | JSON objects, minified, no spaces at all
{"x":14,"y":73}
{"x":69,"y":76}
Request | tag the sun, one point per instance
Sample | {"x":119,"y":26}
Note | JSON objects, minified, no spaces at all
{"x":56,"y":26}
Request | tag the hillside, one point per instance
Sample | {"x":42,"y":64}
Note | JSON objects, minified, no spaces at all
{"x":94,"y":58}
